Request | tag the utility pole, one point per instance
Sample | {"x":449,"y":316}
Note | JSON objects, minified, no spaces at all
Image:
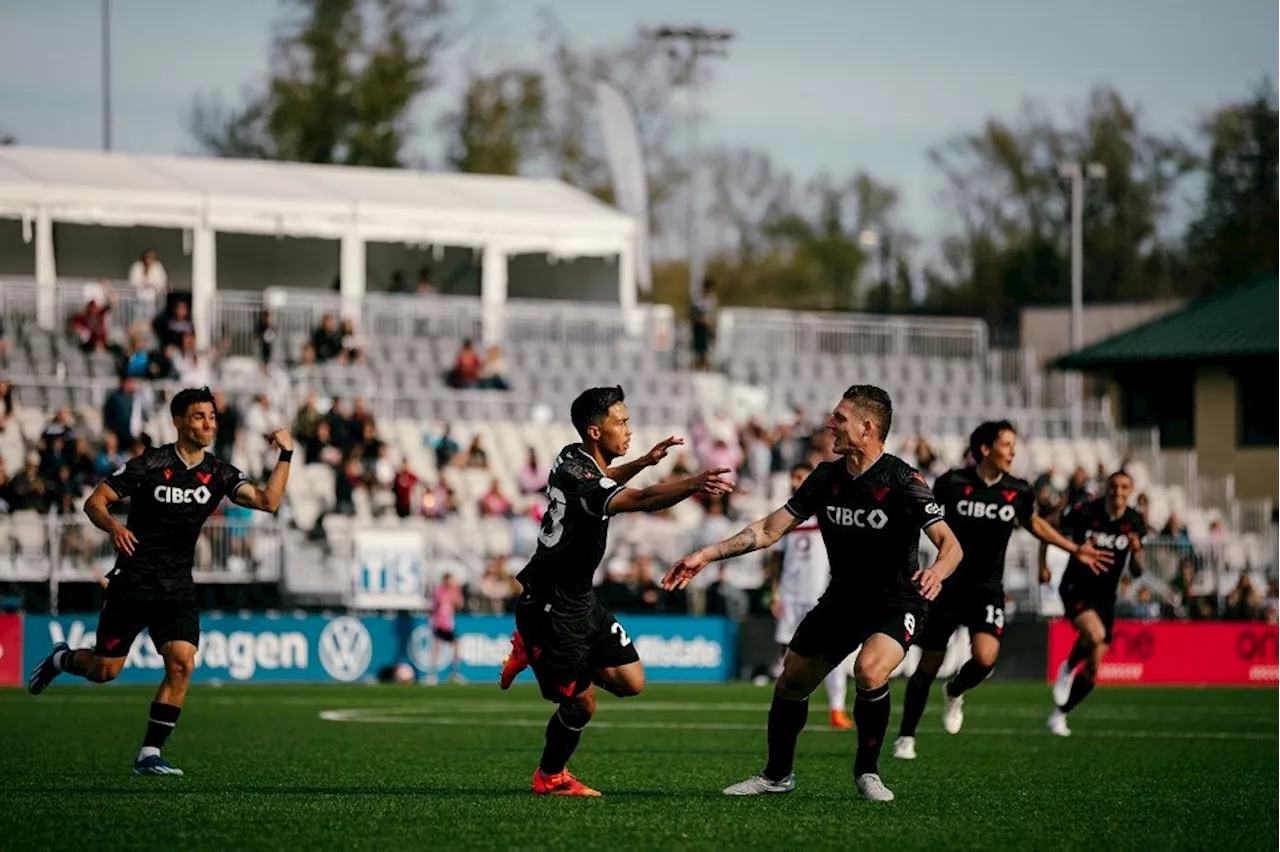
{"x":106,"y":75}
{"x":1073,"y":172}
{"x":690,"y":44}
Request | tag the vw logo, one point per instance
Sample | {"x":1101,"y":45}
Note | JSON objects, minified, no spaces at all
{"x":345,"y":649}
{"x":420,"y":641}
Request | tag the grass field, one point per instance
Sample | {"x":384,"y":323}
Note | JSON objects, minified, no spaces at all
{"x":449,"y":768}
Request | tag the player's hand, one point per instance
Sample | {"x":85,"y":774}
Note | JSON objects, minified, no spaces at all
{"x":1135,"y":542}
{"x":775,"y":607}
{"x":659,"y":451}
{"x":281,"y":438}
{"x":929,"y":582}
{"x":1097,"y":561}
{"x":712,"y":481}
{"x":123,"y":539}
{"x":1045,"y":576}
{"x":679,"y":575}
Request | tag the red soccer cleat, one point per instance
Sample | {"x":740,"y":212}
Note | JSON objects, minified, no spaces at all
{"x":560,"y":784}
{"x":840,"y":719}
{"x":516,"y":662}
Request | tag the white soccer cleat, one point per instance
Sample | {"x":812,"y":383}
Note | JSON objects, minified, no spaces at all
{"x":871,"y":788}
{"x":759,"y":785}
{"x":1058,"y":724}
{"x":1062,"y":684}
{"x":904,"y":748}
{"x":952,"y":713}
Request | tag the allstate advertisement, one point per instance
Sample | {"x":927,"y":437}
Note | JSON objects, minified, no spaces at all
{"x":349,"y":649}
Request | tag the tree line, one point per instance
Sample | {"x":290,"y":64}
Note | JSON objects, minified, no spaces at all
{"x":1178,"y":214}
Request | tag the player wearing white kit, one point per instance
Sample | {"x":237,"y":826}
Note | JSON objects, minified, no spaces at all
{"x":799,"y":579}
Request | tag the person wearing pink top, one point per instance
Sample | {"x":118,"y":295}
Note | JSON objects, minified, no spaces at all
{"x":446,"y":600}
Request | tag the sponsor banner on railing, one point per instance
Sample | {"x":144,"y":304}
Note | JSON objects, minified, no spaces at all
{"x":389,"y":570}
{"x":349,"y":649}
{"x":11,"y":671}
{"x":1180,"y":652}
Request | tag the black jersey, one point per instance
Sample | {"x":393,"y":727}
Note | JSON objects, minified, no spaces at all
{"x":574,"y":531}
{"x":983,"y":517}
{"x":870,"y":525}
{"x":169,"y":503}
{"x":1089,"y":521}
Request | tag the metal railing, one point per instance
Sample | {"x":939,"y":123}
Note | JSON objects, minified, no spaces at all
{"x":18,"y":297}
{"x":129,"y":306}
{"x":790,"y":334}
{"x":295,"y":314}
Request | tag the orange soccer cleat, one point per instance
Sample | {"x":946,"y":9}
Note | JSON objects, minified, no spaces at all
{"x":516,"y":662}
{"x":840,"y":719}
{"x":560,"y":784}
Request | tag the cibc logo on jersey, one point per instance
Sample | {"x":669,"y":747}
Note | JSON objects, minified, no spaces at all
{"x":844,"y":516}
{"x":1108,"y":541}
{"x":974,"y":509}
{"x":174,"y":495}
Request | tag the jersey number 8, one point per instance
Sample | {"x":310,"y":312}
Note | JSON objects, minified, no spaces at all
{"x":553,"y":520}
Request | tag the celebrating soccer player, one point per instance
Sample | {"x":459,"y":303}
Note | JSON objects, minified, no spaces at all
{"x":1089,"y":596}
{"x":871,"y":507}
{"x":568,"y":637}
{"x":799,"y":579}
{"x":982,"y":504}
{"x":173,"y":490}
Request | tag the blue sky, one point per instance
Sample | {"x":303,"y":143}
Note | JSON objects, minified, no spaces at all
{"x":819,"y":84}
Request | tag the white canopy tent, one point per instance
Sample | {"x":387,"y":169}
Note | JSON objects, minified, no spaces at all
{"x":497,"y":216}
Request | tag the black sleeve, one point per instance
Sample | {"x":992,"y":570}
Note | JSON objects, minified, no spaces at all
{"x":593,"y":490}
{"x":805,"y":501}
{"x":922,"y":507}
{"x":942,"y":490}
{"x":1025,"y":506}
{"x":232,"y":478}
{"x":1072,"y":521}
{"x":1140,"y":526}
{"x":128,"y":478}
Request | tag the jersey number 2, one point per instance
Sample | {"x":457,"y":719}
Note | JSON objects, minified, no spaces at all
{"x":623,"y":639}
{"x":553,"y":520}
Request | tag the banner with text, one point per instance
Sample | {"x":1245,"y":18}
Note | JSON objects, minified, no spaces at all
{"x":349,"y":649}
{"x":389,"y":570}
{"x":1188,"y":653}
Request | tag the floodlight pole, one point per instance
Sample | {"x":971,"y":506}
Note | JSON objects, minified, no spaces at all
{"x":106,"y":75}
{"x":1073,"y":172}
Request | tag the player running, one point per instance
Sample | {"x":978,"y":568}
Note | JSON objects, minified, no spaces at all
{"x":799,"y":579}
{"x":173,"y":490}
{"x":982,"y":504}
{"x":569,"y":638}
{"x":871,"y":507}
{"x":1089,"y":597}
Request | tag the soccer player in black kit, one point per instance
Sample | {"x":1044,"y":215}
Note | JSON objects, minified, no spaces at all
{"x":1089,"y":597}
{"x":982,"y":504}
{"x":172,"y":491}
{"x":569,"y":638}
{"x":871,"y":507}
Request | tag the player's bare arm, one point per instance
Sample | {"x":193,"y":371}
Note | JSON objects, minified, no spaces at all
{"x":1095,"y":560}
{"x":666,"y":494}
{"x":97,"y":507}
{"x":623,"y":473}
{"x":756,"y":536}
{"x":268,"y":499}
{"x":1138,"y":560}
{"x":929,"y":581}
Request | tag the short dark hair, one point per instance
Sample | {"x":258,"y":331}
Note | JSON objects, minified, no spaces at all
{"x":874,"y":401}
{"x":184,"y":399}
{"x":801,"y":465}
{"x":987,"y":434}
{"x":1119,"y":473}
{"x":592,"y":406}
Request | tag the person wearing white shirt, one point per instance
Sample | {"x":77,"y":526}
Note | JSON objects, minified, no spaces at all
{"x":147,"y":275}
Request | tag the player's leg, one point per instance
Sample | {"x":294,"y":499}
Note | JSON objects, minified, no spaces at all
{"x":1094,"y":626}
{"x":880,"y":655}
{"x":933,"y":639}
{"x":1073,"y":605}
{"x":175,"y":631}
{"x":984,"y":617}
{"x":118,"y":625}
{"x":836,"y":684}
{"x":564,"y":732}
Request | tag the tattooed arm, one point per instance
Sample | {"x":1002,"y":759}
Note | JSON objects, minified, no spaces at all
{"x":756,"y":536}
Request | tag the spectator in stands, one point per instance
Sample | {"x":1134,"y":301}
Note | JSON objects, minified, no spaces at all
{"x":342,"y":429}
{"x":171,"y":325}
{"x":346,"y":483}
{"x":788,"y":449}
{"x":327,"y":340}
{"x":1144,"y":508}
{"x":1146,"y":606}
{"x":27,"y":490}
{"x":90,"y":327}
{"x":321,"y":449}
{"x":1271,"y":605}
{"x":494,"y":370}
{"x":724,"y":598}
{"x":304,"y":423}
{"x":8,"y":405}
{"x":147,"y":275}
{"x":494,"y":504}
{"x":724,"y":454}
{"x":266,"y":335}
{"x":1079,"y":489}
{"x":371,"y":446}
{"x":82,"y":460}
{"x":531,"y":478}
{"x":497,"y":588}
{"x":703,"y":320}
{"x":1175,"y":532}
{"x":424,"y":281}
{"x":757,"y":453}
{"x":4,"y":341}
{"x":260,"y":420}
{"x":53,"y":444}
{"x":123,"y":411}
{"x":195,"y":368}
{"x":109,"y":458}
{"x":361,"y":416}
{"x":137,"y":361}
{"x":228,"y":418}
{"x":475,"y":456}
{"x":352,"y":343}
{"x":403,"y":486}
{"x":6,"y":496}
{"x":1244,"y":603}
{"x":1184,"y":586}
{"x":1048,"y":500}
{"x":439,"y":501}
{"x":466,"y":367}
{"x":926,"y":459}
{"x":446,"y":448}
{"x":399,"y":283}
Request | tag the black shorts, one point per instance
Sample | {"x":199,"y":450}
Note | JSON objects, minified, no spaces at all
{"x":566,"y":649}
{"x":836,"y":626}
{"x":1076,"y":601}
{"x":978,"y":608}
{"x":126,"y":613}
{"x":444,"y":635}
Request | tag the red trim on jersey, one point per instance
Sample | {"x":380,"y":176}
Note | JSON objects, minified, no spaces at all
{"x":806,"y":528}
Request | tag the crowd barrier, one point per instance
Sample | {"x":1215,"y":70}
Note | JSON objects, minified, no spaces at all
{"x":354,"y":649}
